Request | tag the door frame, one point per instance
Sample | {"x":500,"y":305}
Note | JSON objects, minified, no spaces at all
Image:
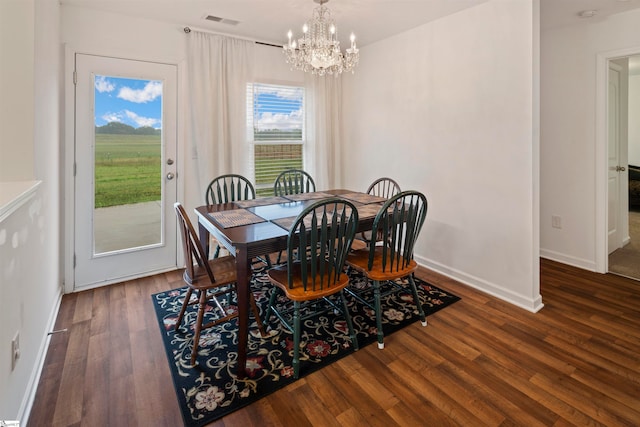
{"x":67,"y":232}
{"x":601,"y":155}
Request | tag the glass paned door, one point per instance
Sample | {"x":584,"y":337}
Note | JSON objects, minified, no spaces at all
{"x":125,"y":183}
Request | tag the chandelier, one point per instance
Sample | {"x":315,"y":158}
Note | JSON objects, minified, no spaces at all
{"x":318,"y":50}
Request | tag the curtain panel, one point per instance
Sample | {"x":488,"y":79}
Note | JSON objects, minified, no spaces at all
{"x":324,"y":130}
{"x":218,"y":70}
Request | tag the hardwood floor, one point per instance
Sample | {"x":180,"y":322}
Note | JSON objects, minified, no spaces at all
{"x":479,"y":362}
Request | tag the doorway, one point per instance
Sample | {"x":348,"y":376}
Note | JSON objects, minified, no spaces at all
{"x":624,"y":141}
{"x":124,"y":185}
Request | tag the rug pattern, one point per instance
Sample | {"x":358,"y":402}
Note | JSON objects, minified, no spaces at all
{"x":210,"y":389}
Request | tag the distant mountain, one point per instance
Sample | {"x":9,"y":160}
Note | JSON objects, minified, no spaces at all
{"x":147,"y":130}
{"x":118,"y":128}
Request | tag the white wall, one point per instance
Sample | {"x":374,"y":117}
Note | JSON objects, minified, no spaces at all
{"x":16,"y":87}
{"x":448,"y":109}
{"x":30,"y":279}
{"x":568,"y":134}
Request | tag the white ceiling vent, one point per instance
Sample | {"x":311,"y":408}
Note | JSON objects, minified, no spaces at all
{"x":221,"y":20}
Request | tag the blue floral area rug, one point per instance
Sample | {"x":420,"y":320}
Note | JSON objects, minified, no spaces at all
{"x":210,"y":389}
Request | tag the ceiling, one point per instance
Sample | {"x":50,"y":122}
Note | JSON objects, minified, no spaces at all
{"x":370,"y":20}
{"x":561,"y":13}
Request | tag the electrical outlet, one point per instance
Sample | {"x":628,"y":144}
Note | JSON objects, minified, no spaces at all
{"x":556,"y":221}
{"x":15,"y":350}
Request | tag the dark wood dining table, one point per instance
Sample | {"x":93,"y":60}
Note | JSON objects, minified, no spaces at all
{"x":253,"y":228}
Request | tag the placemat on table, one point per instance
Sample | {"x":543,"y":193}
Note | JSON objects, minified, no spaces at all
{"x":363,"y":198}
{"x":308,"y":196}
{"x":261,"y":201}
{"x":369,"y":210}
{"x":287,"y":222}
{"x":236,"y":218}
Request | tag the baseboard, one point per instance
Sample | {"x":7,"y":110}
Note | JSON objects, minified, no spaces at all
{"x":530,"y":304}
{"x":566,"y":259}
{"x":34,"y":379}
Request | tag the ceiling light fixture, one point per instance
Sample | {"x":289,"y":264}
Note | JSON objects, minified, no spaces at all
{"x":318,"y":50}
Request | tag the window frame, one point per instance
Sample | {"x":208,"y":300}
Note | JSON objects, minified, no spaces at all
{"x":251,"y":133}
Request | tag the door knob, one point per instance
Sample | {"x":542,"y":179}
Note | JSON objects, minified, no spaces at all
{"x":620,"y":169}
{"x":170,"y":176}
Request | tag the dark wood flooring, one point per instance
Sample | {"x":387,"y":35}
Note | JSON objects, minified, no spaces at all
{"x":480,"y":362}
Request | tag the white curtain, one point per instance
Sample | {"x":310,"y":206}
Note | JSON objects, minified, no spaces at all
{"x":324,"y":130}
{"x":218,"y":70}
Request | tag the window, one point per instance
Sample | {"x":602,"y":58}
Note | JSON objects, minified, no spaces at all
{"x":275,"y":129}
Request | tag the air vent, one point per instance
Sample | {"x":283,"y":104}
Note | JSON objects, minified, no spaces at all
{"x":222,"y":20}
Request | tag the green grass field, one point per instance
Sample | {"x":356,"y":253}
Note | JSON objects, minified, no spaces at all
{"x":127,"y":168}
{"x":270,"y":160}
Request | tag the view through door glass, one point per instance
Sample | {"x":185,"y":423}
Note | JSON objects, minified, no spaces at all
{"x":128,"y":156}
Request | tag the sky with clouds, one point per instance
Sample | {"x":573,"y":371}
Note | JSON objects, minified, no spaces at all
{"x":139,"y":103}
{"x":278,"y":107}
{"x":130,"y":101}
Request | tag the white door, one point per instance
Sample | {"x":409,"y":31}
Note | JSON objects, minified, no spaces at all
{"x":125,"y":169}
{"x":615,"y":228}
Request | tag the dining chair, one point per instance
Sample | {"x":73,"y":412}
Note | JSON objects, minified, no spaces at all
{"x":231,"y":188}
{"x":317,"y":246}
{"x":293,"y":181}
{"x":398,"y":222}
{"x":382,"y":187}
{"x":209,"y":279}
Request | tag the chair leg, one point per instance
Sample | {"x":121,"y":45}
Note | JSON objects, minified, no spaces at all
{"x":423,"y":319}
{"x":185,"y":303}
{"x":267,"y":260}
{"x":296,"y":339}
{"x":256,"y":314}
{"x":196,"y":336}
{"x":376,"y":294}
{"x":261,"y":260}
{"x":347,"y":316}
{"x":272,"y":300}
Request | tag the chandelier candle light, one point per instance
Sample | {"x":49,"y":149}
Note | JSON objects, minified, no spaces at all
{"x":318,"y":50}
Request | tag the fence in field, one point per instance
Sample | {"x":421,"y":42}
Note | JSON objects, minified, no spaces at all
{"x":270,"y":160}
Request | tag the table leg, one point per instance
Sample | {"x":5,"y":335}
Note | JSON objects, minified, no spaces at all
{"x":243,"y":288}
{"x":203,"y":233}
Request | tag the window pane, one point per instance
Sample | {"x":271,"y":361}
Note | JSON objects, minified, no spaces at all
{"x":270,"y":160}
{"x":277,"y":113}
{"x":276,"y":126}
{"x":128,"y":155}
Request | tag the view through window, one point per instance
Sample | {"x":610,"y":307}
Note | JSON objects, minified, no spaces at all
{"x":128,"y":154}
{"x":276,"y":131}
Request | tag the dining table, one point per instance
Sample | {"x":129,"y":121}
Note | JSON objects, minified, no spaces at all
{"x":253,"y":228}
